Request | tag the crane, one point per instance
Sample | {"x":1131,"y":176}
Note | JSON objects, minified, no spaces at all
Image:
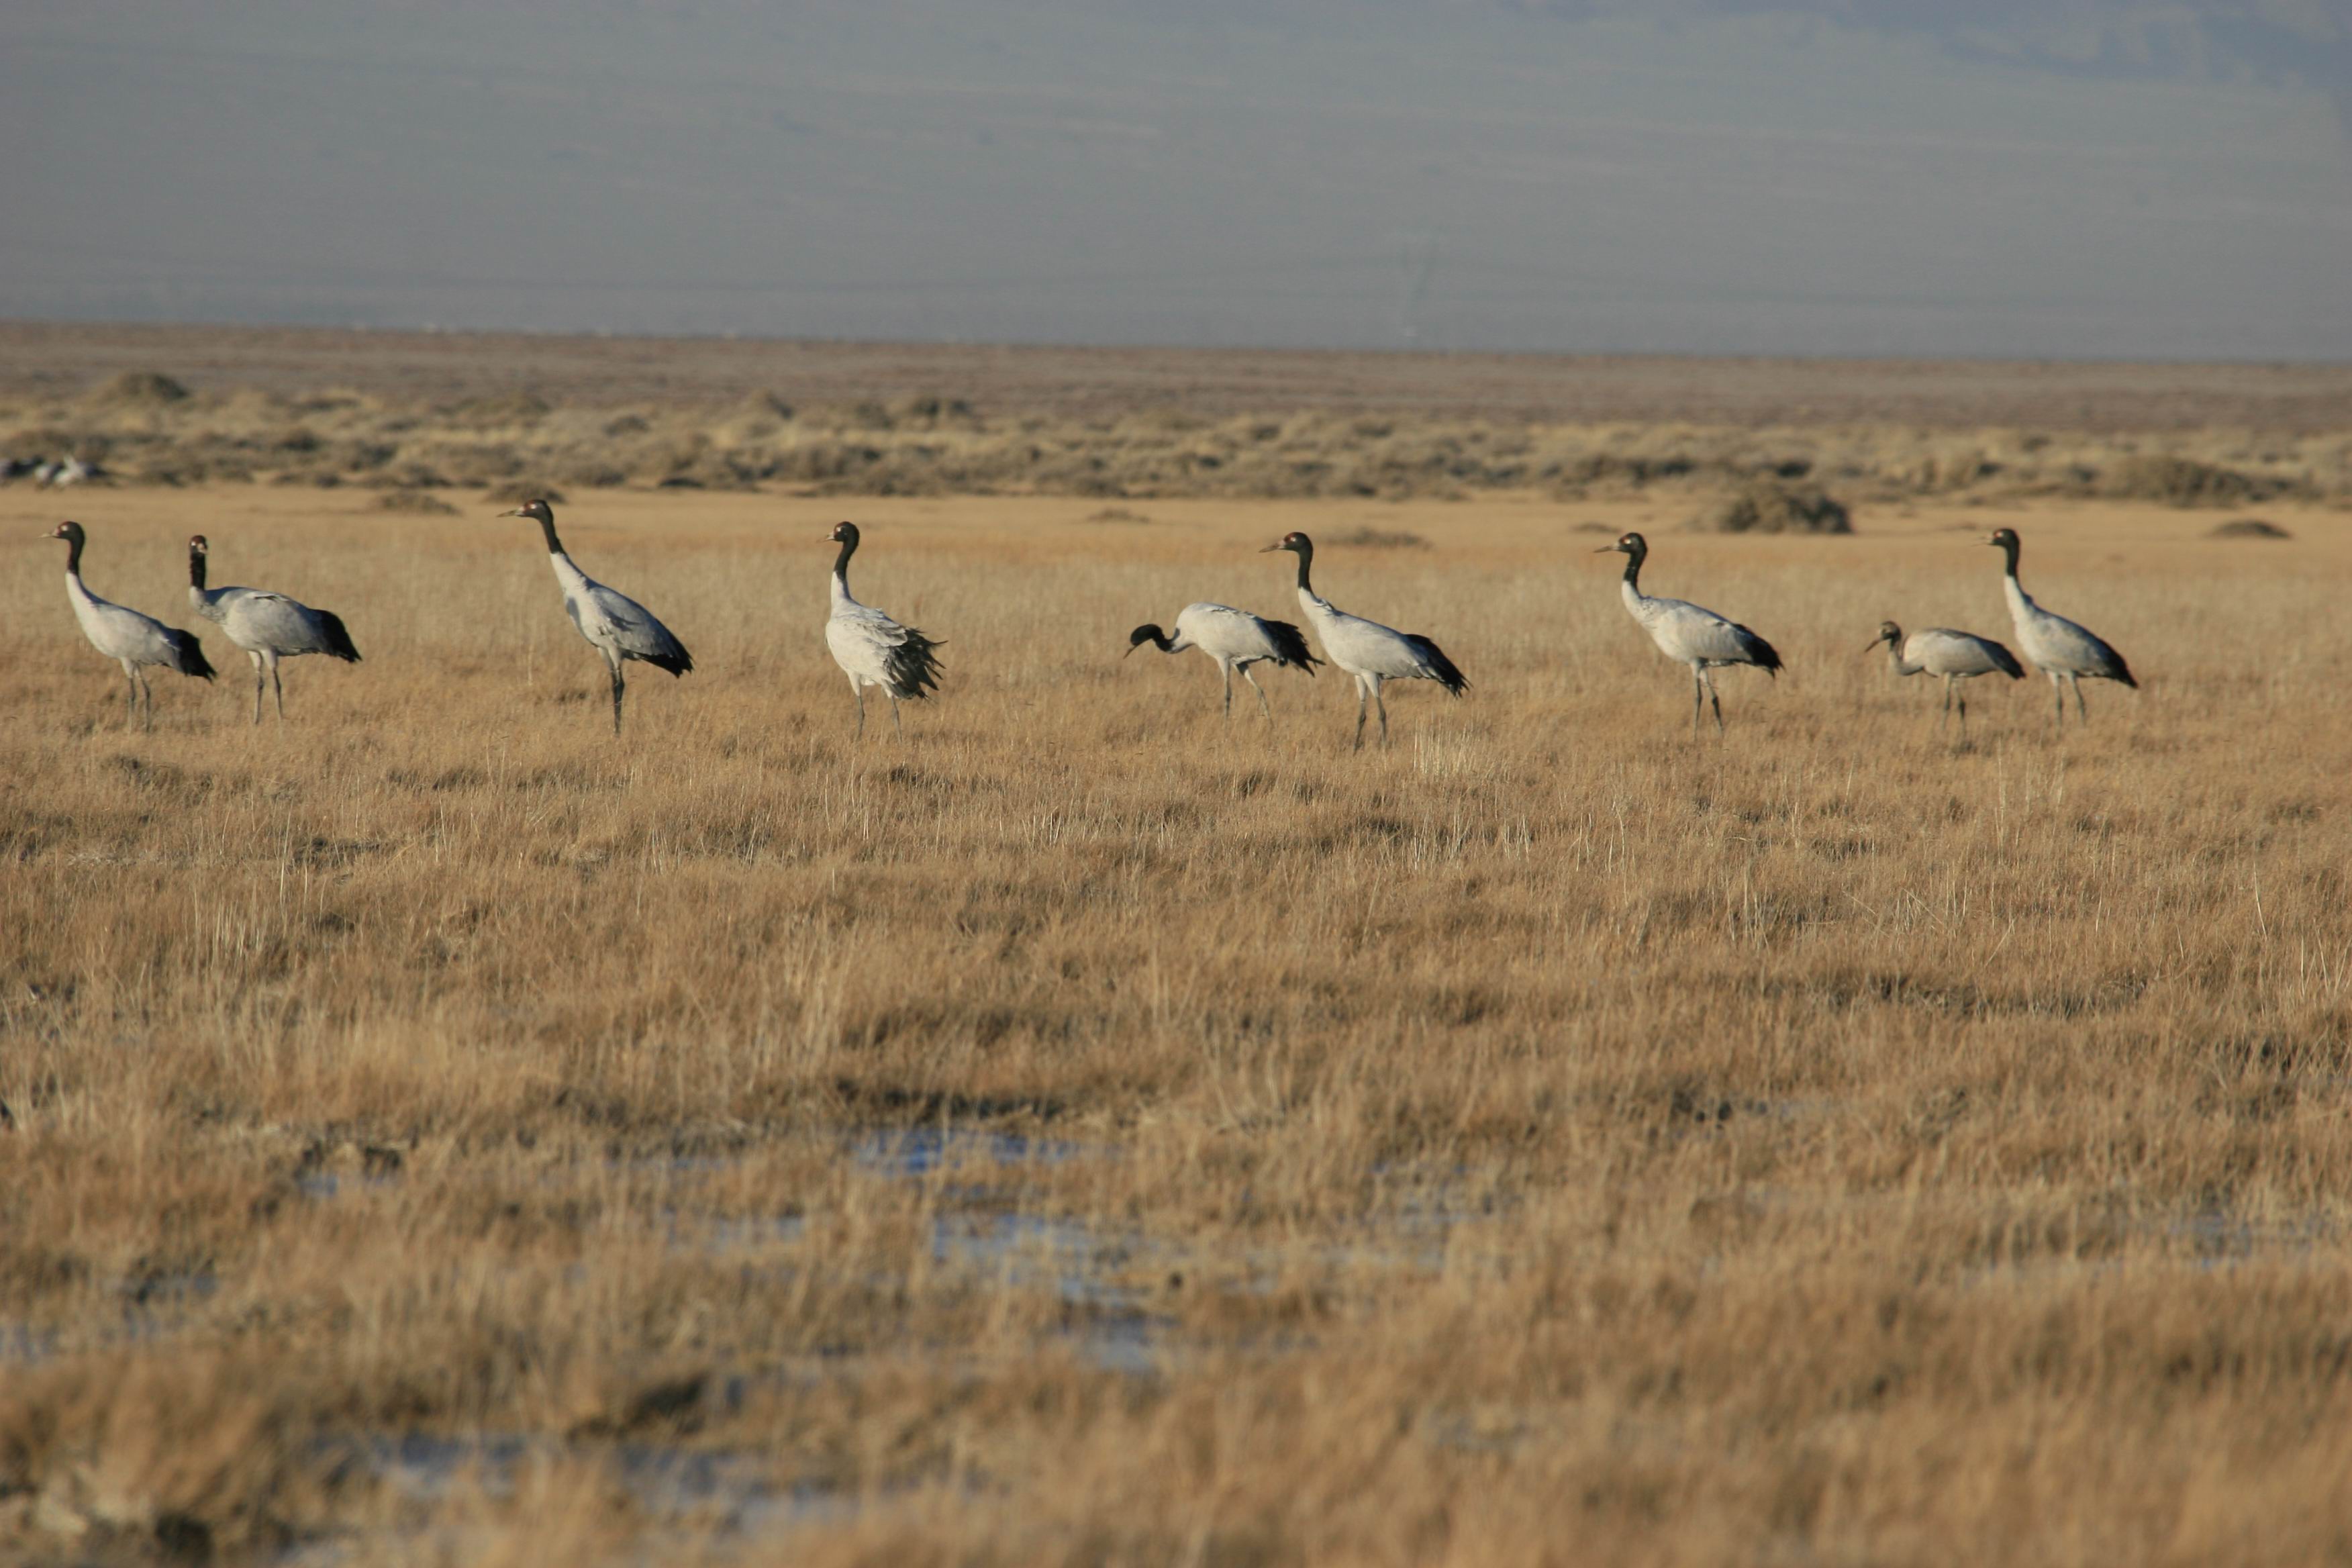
{"x":1370,"y":652}
{"x":1236,"y":639}
{"x":615,"y":624}
{"x":268,"y":626}
{"x":132,"y":640}
{"x":1687,"y":633}
{"x":873,"y":650}
{"x":2058,"y":647}
{"x":1954,"y":656}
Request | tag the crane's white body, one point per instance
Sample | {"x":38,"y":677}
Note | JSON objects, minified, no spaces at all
{"x":873,"y":650}
{"x":1949,"y":656}
{"x":268,"y":626}
{"x":130,"y":639}
{"x":1370,"y":653}
{"x":120,"y":632}
{"x":2065,"y":652}
{"x":1689,"y":634}
{"x":1236,"y":639}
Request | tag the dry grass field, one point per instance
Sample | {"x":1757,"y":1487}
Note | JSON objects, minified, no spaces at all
{"x":1085,"y":1134}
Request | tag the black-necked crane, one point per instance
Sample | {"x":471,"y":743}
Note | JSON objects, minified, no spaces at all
{"x":132,"y":640}
{"x":1952,"y":655}
{"x":2059,"y":648}
{"x":1236,"y":639}
{"x":873,"y":650}
{"x":268,"y":626}
{"x":1687,"y":633}
{"x":615,"y":624}
{"x":1368,"y":651}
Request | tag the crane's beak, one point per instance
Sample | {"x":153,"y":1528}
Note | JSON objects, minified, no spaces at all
{"x":1608,"y":550}
{"x":1271,"y":547}
{"x":1133,"y":645}
{"x":1872,"y":644}
{"x":512,"y":511}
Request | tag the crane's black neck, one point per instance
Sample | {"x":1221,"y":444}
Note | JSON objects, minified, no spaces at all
{"x":1153,"y":635}
{"x":2009,"y":553}
{"x":841,"y":562}
{"x":547,"y":527}
{"x":1306,"y":553}
{"x":197,"y":570}
{"x":73,"y":555}
{"x":1633,"y":569}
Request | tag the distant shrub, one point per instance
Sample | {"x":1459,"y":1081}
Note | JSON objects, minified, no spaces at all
{"x":1770,"y":506}
{"x":141,"y":388}
{"x":1116,"y":514}
{"x":1370,"y":538}
{"x":414,"y":504}
{"x":515,"y":493}
{"x":2250,"y":528}
{"x":2184,"y":482}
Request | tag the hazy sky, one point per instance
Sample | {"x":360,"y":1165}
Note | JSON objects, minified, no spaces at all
{"x":2060,"y":178}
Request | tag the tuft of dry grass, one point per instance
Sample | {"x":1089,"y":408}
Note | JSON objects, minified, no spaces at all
{"x":1088,"y":1133}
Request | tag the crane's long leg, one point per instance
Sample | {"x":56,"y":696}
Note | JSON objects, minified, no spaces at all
{"x":860,"y":692}
{"x":1946,"y":718}
{"x":1709,"y":680}
{"x":1698,"y":697}
{"x":1359,"y":713}
{"x":147,"y":700}
{"x":896,"y":728}
{"x":276,"y":692}
{"x":2058,"y":690}
{"x":1229,"y":689}
{"x":130,"y":694}
{"x":1381,"y":704}
{"x":1254,"y":685}
{"x":614,"y":659}
{"x":255,"y":656}
{"x":2081,"y":711}
{"x":1963,"y":715}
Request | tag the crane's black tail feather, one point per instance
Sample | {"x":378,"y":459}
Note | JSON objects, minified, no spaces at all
{"x":1761,"y":654}
{"x":913,"y":669}
{"x":2005,"y":660}
{"x":673,"y":659}
{"x":188,"y":654}
{"x":1289,"y":646}
{"x":338,"y":640}
{"x":1441,"y":669}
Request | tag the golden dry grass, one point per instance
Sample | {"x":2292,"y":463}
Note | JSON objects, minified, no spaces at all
{"x":440,"y":1123}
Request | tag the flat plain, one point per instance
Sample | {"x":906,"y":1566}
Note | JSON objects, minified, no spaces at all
{"x":1088,"y":1131}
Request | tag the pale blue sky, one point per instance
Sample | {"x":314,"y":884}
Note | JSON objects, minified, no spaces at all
{"x":2073,"y":178}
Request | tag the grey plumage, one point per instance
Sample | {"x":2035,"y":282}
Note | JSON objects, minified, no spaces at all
{"x":610,"y":621}
{"x":132,"y":640}
{"x":268,"y":626}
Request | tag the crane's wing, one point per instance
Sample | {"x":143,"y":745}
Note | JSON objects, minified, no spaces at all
{"x":630,"y":627}
{"x":287,"y":625}
{"x":2085,"y":650}
{"x":875,"y":649}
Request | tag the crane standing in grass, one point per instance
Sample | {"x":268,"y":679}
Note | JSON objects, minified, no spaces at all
{"x":268,"y":626}
{"x":1370,"y":652}
{"x":132,"y":640}
{"x":2058,"y":647}
{"x":615,"y":624}
{"x":1687,"y":633}
{"x":1236,"y":639}
{"x":873,"y":650}
{"x":1954,"y":656}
